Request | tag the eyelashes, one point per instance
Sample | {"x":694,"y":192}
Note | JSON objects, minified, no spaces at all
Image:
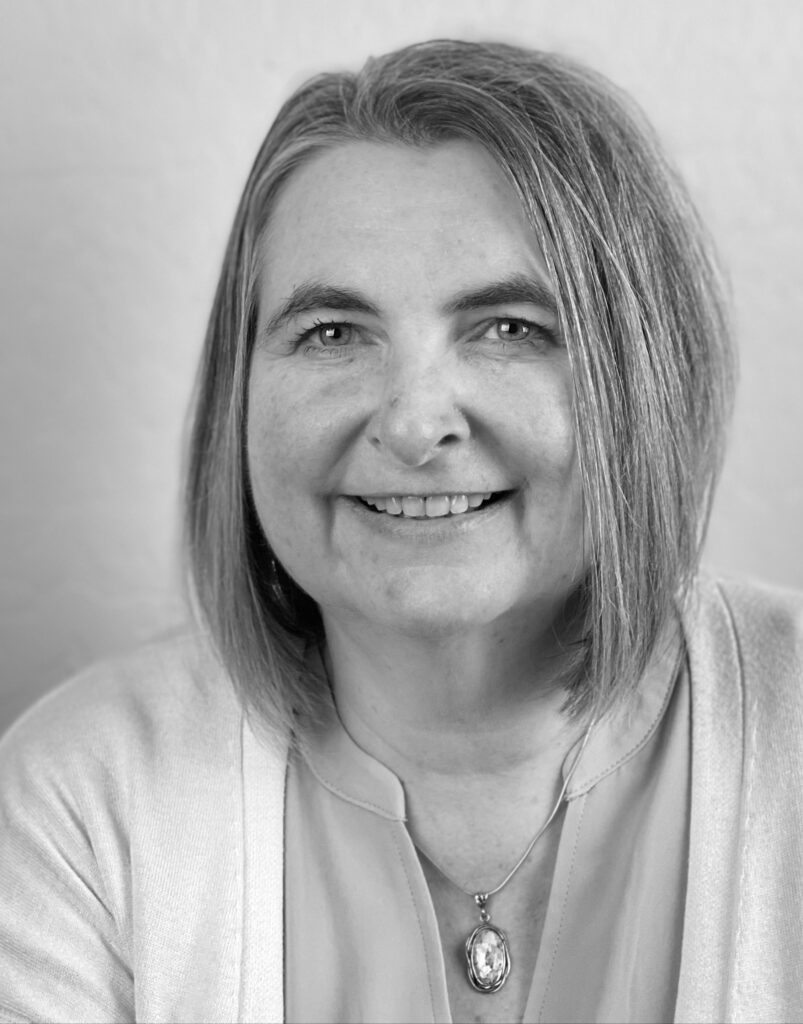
{"x":518,"y":329}
{"x":329,"y":333}
{"x":336,"y":337}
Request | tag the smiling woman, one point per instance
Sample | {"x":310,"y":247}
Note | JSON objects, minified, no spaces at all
{"x":436,"y":376}
{"x":462,"y":734}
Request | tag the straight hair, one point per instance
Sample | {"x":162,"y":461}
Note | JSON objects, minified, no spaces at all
{"x":639,"y":298}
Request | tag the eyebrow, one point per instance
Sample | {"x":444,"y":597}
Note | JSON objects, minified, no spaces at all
{"x":306,"y":298}
{"x":518,"y":288}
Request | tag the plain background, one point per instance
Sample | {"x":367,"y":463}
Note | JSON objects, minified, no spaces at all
{"x":126,"y":132}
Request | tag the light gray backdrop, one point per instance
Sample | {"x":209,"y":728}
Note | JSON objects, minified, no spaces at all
{"x":126,"y":131}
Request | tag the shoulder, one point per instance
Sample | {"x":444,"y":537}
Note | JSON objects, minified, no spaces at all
{"x":122,"y":802}
{"x":174,"y":683}
{"x":772,"y":605}
{"x":764,"y":618}
{"x":754,"y":629}
{"x":127,"y":718}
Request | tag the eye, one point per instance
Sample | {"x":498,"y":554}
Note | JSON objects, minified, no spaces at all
{"x":516,"y":329}
{"x":327,"y":338}
{"x":330,"y":335}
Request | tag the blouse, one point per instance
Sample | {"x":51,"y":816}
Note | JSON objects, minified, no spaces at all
{"x":360,"y":927}
{"x":142,"y":841}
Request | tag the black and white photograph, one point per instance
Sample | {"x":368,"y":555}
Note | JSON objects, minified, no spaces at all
{"x":400,"y":509}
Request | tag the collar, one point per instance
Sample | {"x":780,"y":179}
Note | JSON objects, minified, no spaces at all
{"x":347,"y":771}
{"x":629,"y":726}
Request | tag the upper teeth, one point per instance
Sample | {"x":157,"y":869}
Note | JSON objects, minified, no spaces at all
{"x":430,"y":506}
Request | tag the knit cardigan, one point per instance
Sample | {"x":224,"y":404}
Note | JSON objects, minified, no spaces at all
{"x":141,"y":835}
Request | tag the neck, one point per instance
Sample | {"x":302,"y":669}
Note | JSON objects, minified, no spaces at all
{"x":472,"y":727}
{"x":478,"y":703}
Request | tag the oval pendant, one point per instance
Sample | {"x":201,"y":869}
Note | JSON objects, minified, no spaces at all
{"x":488,"y":958}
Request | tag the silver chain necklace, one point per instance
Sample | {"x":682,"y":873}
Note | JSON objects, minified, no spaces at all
{"x":488,"y":959}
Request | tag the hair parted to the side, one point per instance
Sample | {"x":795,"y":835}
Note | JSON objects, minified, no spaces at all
{"x":641,"y":314}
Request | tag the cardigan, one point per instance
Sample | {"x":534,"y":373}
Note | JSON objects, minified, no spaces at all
{"x":141,"y":834}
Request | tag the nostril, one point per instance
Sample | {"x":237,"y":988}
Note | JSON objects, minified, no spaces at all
{"x":414,"y":425}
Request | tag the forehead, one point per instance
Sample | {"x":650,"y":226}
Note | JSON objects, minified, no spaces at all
{"x":367,"y":214}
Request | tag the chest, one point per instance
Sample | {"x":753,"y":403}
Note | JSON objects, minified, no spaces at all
{"x":518,"y":911}
{"x":373,"y":932}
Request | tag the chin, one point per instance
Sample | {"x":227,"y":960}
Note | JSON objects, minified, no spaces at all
{"x":415,"y":604}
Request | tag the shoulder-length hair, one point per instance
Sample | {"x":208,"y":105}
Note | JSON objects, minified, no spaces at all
{"x":640,"y":311}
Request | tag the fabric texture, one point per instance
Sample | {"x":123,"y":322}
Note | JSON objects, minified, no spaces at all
{"x":743,"y":944}
{"x":141,"y":835}
{"x":358,"y":905}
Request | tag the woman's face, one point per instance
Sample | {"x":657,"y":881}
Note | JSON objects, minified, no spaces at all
{"x":407,"y":366}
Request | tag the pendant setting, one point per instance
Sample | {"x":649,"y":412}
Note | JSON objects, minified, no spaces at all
{"x":487,"y":953}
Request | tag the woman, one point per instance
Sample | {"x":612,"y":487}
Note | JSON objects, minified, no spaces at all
{"x":492,"y":750}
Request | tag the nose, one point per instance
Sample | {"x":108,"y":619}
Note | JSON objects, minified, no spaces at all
{"x":418,"y":416}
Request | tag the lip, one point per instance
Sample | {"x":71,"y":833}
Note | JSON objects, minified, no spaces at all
{"x":431,"y":505}
{"x":432,"y":529}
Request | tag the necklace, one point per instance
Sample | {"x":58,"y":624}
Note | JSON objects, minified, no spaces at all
{"x":488,"y":957}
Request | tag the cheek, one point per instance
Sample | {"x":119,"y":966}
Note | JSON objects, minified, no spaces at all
{"x":533,"y":413}
{"x":266,"y":440}
{"x":554,"y":424}
{"x":289,"y":457}
{"x":278,"y":435}
{"x":276,"y":486}
{"x":555,"y":506}
{"x":273,"y":464}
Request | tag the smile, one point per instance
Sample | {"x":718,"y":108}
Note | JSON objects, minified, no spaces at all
{"x":430,"y":506}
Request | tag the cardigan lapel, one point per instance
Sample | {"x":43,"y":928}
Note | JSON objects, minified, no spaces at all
{"x":717,"y":768}
{"x":264,"y":769}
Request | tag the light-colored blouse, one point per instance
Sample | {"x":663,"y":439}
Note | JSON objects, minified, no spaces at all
{"x":360,"y":927}
{"x":142,"y":842}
